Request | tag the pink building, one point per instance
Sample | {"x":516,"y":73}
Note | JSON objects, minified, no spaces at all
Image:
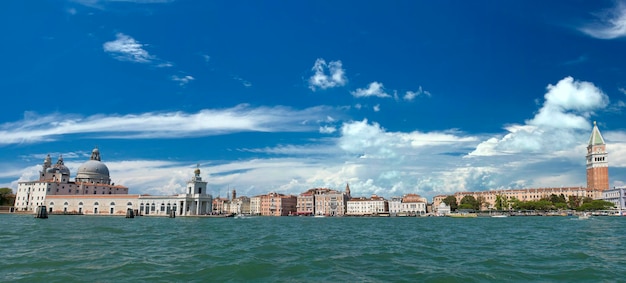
{"x":275,"y":204}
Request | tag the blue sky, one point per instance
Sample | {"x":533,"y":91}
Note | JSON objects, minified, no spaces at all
{"x":427,"y":97}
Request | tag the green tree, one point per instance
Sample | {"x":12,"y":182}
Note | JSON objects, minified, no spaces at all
{"x":469,"y":202}
{"x":501,"y":202}
{"x":596,"y":204}
{"x":574,"y":202}
{"x":6,"y":196}
{"x":451,"y":202}
{"x":481,"y":201}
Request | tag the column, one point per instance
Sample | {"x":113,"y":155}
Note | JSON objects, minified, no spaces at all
{"x":198,"y":207}
{"x":184,"y":207}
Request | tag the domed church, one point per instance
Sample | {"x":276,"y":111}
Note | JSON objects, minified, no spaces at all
{"x":92,"y":193}
{"x":94,"y":171}
{"x":92,"y":179}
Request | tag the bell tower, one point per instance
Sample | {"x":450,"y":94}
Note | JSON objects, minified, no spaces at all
{"x":597,"y":161}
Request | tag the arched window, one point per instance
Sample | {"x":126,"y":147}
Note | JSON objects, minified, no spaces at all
{"x":66,"y":203}
{"x":51,"y":203}
{"x":80,"y":203}
{"x":129,"y":203}
{"x":112,"y":203}
{"x":96,"y":203}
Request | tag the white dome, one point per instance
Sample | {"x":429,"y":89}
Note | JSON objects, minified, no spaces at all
{"x":93,"y":171}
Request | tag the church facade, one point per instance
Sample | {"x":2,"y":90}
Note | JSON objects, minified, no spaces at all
{"x":92,"y":193}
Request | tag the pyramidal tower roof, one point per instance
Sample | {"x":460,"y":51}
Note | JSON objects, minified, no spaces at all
{"x":596,"y":136}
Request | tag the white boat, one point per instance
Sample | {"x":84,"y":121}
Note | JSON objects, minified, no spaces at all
{"x":583,"y":216}
{"x":499,"y":216}
{"x":319,"y":216}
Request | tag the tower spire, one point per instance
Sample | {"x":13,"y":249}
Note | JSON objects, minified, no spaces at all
{"x":597,"y":161}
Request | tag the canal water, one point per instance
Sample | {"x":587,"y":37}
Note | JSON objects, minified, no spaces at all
{"x":307,"y":249}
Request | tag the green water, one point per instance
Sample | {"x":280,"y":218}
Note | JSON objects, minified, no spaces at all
{"x":306,"y":249}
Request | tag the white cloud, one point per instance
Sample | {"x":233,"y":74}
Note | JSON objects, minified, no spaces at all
{"x":182,"y":80}
{"x":611,"y":23}
{"x":100,"y":4}
{"x":569,"y":104}
{"x":206,"y":58}
{"x":206,"y":122}
{"x":374,"y":141}
{"x":376,"y":108}
{"x":126,"y":48}
{"x":327,"y":129}
{"x":373,"y":89}
{"x":327,"y":75}
{"x":243,"y":81}
{"x":411,"y":95}
{"x":560,"y":124}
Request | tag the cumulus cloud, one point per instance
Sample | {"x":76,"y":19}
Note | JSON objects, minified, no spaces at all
{"x":206,"y":122}
{"x":373,"y":141}
{"x":610,"y":23}
{"x":327,"y":75}
{"x":373,"y":89}
{"x":562,"y":120}
{"x":126,"y":48}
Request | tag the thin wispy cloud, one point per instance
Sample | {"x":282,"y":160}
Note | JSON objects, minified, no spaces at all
{"x":610,"y":23}
{"x":373,"y":89}
{"x":164,"y":125}
{"x":182,"y":80}
{"x":126,"y":48}
{"x":411,"y":95}
{"x":327,"y":75}
{"x":242,"y":81}
{"x":101,"y":4}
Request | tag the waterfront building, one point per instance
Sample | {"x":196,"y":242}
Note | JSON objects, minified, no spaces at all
{"x":362,"y":206}
{"x":275,"y":204}
{"x":240,"y":205}
{"x":597,"y":181}
{"x":617,"y":196}
{"x":92,"y":179}
{"x":220,"y":205}
{"x":93,"y":193}
{"x":407,"y":205}
{"x":488,"y":198}
{"x":305,"y":204}
{"x":255,"y":205}
{"x":442,"y":209}
{"x":323,"y":201}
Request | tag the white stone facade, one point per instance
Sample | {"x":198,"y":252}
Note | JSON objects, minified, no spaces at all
{"x":94,"y":194}
{"x":372,"y":206}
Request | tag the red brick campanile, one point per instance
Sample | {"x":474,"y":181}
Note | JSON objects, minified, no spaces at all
{"x":597,"y":161}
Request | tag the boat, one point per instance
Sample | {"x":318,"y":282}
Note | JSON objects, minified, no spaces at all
{"x":499,"y":216}
{"x":583,"y":216}
{"x":319,"y":216}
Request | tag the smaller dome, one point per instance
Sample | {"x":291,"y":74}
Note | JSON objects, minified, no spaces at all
{"x":60,"y":168}
{"x":197,"y":171}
